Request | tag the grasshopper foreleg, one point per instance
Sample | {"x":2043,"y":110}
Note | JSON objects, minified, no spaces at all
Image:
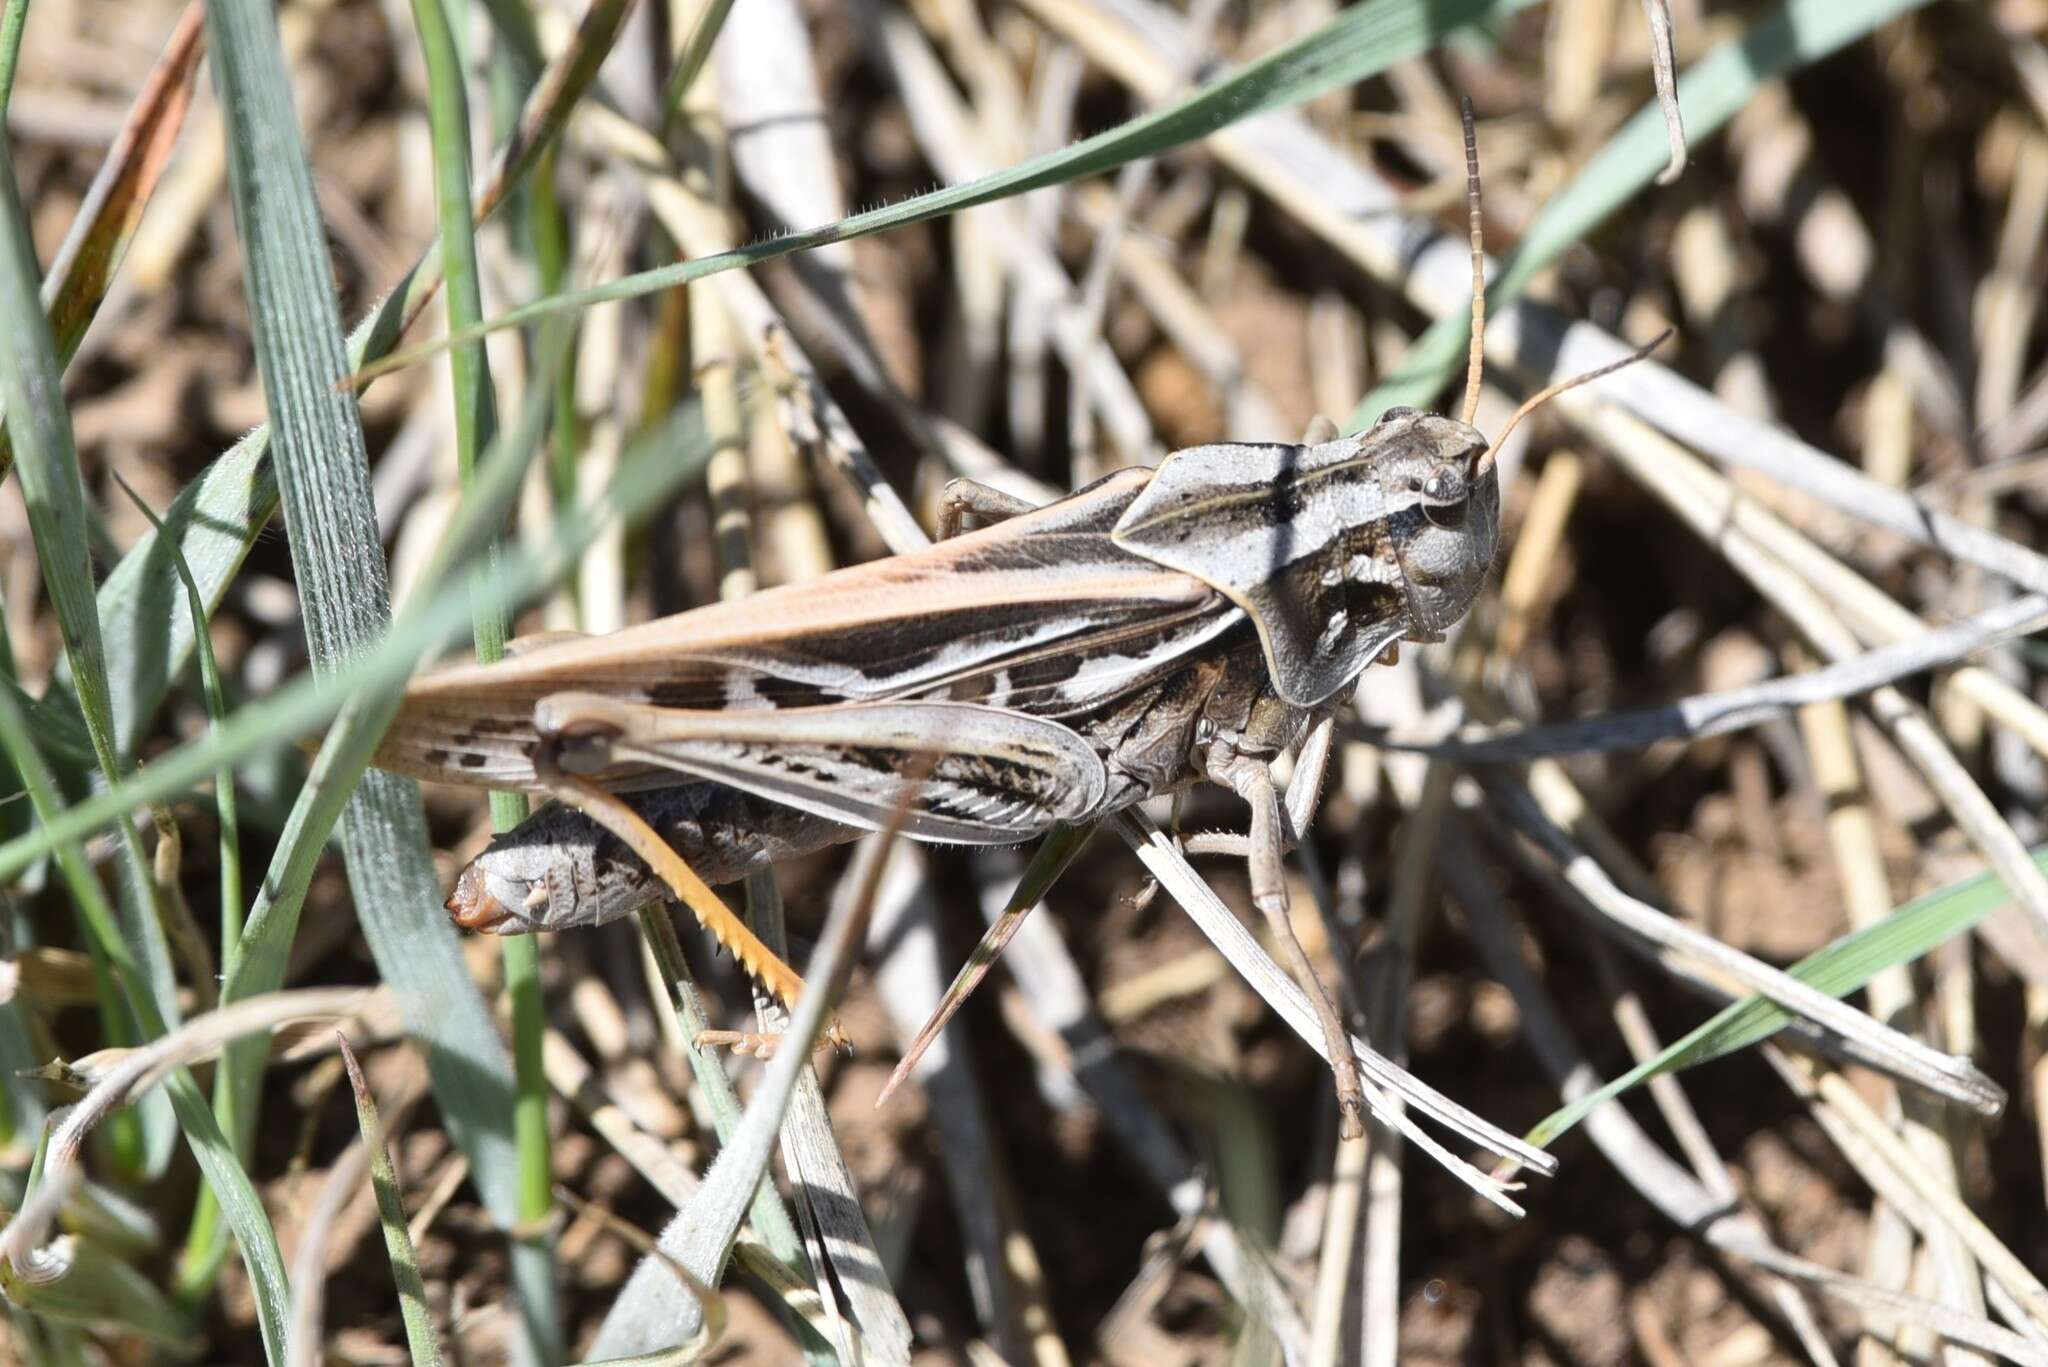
{"x":1304,"y":793}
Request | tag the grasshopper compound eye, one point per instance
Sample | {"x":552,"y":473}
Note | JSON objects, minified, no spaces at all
{"x":1444,"y":486}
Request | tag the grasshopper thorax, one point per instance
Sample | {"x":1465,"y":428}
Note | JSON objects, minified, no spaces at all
{"x":1334,"y":550}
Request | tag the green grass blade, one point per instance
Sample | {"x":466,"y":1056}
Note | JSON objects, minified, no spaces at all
{"x":1360,"y":41}
{"x":475,"y":415}
{"x":214,"y":691}
{"x":405,"y":1262}
{"x":448,"y":118}
{"x":24,"y":1110}
{"x":101,"y":929}
{"x":696,"y":51}
{"x":60,"y":730}
{"x":31,"y":381}
{"x":21,"y":1103}
{"x":206,"y":1242}
{"x":323,"y":477}
{"x":1906,"y":934}
{"x":513,"y":22}
{"x":1796,"y":34}
{"x":212,"y":523}
{"x":12,"y":20}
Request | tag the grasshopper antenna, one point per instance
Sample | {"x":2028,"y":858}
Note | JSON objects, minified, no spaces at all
{"x":1543,"y":396}
{"x":1475,"y":357}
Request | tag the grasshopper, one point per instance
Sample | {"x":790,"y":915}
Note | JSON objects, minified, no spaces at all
{"x":1156,"y":629}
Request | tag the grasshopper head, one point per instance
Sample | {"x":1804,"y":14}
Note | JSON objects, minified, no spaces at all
{"x":1434,"y":468}
{"x":1337,"y":550}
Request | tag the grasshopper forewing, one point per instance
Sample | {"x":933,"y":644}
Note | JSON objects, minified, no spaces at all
{"x":1043,"y":610}
{"x":1153,"y":630}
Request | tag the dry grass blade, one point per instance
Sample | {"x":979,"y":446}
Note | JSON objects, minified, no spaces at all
{"x":711,"y":1327}
{"x":1885,"y":1161}
{"x":701,"y":1235}
{"x":84,"y":266}
{"x":1706,"y":1202}
{"x":1475,"y":359}
{"x":1694,"y":498}
{"x":1048,"y":861}
{"x":1905,"y":1058}
{"x":1166,"y":863}
{"x":1664,"y":67}
{"x":1735,"y":709}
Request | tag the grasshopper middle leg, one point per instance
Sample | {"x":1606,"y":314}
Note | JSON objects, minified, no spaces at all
{"x":1272,"y":831}
{"x":1252,"y":779}
{"x":964,"y":498}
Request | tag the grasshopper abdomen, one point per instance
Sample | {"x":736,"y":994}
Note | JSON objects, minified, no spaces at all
{"x":558,"y":869}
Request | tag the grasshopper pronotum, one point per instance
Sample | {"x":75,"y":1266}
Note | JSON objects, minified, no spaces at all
{"x":1155,"y":629}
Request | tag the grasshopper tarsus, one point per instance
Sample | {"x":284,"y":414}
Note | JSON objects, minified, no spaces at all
{"x":762,"y":1044}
